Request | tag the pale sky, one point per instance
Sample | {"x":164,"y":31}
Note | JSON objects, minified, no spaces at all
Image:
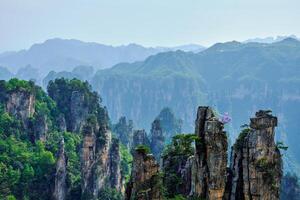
{"x":146,"y":22}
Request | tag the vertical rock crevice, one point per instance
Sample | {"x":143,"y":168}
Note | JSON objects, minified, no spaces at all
{"x":60,"y":188}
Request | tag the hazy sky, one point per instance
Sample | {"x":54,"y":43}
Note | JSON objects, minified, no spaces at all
{"x":147,"y":22}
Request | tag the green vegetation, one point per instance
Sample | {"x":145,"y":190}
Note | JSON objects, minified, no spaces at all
{"x":181,"y":145}
{"x":62,"y":90}
{"x":16,"y":84}
{"x":281,"y":146}
{"x":175,"y":156}
{"x":25,"y":169}
{"x":240,"y":140}
{"x":9,"y":125}
{"x":109,"y":194}
{"x":27,"y":166}
{"x":143,"y":149}
{"x":72,"y":143}
{"x":126,"y":162}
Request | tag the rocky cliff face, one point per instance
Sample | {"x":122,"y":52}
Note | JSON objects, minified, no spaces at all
{"x":60,"y":188}
{"x":201,"y":172}
{"x":79,"y":111}
{"x":256,"y":161}
{"x":100,"y":158}
{"x":209,"y":166}
{"x":88,"y":157}
{"x":157,"y":139}
{"x":20,"y":104}
{"x":116,"y":180}
{"x":61,"y":123}
{"x":99,"y":155}
{"x":145,"y":182}
{"x":40,"y":127}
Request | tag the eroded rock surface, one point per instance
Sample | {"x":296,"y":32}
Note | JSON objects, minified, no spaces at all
{"x":40,"y":127}
{"x":116,"y":179}
{"x":20,"y":104}
{"x":79,"y":111}
{"x":209,"y":166}
{"x":256,"y":161}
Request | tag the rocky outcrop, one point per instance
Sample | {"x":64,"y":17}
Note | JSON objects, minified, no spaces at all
{"x":100,"y":160}
{"x":209,"y":166}
{"x":157,"y":139}
{"x":115,"y":179}
{"x":94,"y":159}
{"x":256,"y":161}
{"x":88,"y":155}
{"x":177,"y":170}
{"x":145,"y":181}
{"x":40,"y":127}
{"x":79,"y":111}
{"x":255,"y":170}
{"x":140,"y":138}
{"x":60,"y":188}
{"x":124,"y":131}
{"x":20,"y":103}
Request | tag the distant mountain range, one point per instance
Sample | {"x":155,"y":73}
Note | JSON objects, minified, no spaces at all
{"x":61,"y":54}
{"x":65,"y":54}
{"x":270,"y":39}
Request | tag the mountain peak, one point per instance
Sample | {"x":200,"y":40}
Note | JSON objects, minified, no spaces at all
{"x":289,"y":40}
{"x":225,"y":46}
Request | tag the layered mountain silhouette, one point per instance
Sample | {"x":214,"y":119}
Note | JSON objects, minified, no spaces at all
{"x":62,"y":54}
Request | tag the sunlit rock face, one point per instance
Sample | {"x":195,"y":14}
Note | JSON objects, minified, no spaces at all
{"x":79,"y":111}
{"x":209,"y":167}
{"x":100,"y":161}
{"x":256,"y":163}
{"x":21,"y":105}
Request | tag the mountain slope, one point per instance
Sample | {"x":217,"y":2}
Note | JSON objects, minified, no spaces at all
{"x":234,"y":77}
